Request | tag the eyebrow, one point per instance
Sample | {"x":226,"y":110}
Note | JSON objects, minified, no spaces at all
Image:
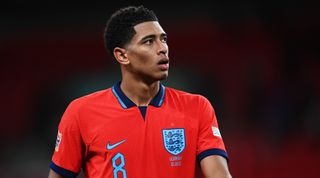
{"x":153,"y":36}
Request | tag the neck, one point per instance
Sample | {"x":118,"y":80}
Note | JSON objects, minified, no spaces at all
{"x":139,"y":92}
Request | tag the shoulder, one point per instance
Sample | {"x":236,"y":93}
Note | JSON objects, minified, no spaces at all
{"x":90,"y":99}
{"x":186,"y":97}
{"x":79,"y":109}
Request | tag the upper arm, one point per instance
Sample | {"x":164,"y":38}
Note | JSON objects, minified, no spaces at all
{"x":210,"y":141}
{"x":211,"y":152}
{"x":53,"y":174}
{"x":69,"y":149}
{"x":215,"y":166}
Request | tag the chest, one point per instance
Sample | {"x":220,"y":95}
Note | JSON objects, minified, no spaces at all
{"x":165,"y":138}
{"x":163,"y":131}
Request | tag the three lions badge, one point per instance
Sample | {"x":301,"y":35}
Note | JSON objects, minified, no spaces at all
{"x":174,"y":140}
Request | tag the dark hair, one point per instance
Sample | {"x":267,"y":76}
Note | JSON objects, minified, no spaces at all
{"x":119,"y":29}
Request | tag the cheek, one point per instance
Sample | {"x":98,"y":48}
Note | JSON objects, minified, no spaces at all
{"x":144,"y":58}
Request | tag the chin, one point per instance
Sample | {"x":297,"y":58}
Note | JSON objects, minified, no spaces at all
{"x":163,"y":76}
{"x":160,"y":78}
{"x":157,"y":77}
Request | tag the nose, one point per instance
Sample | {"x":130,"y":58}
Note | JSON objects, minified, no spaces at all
{"x":162,"y":47}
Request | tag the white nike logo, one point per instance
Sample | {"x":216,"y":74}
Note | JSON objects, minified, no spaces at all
{"x":111,"y":146}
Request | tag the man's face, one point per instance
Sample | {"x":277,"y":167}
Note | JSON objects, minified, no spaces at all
{"x":148,"y":52}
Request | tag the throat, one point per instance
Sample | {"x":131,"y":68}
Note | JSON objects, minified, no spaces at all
{"x":140,"y":93}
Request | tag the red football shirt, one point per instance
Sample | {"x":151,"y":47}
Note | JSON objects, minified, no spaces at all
{"x":108,"y":136}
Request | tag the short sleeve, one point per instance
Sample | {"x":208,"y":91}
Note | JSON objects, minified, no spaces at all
{"x":210,"y":140}
{"x":68,"y":153}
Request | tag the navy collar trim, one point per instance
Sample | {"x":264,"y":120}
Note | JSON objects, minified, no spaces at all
{"x":126,"y":103}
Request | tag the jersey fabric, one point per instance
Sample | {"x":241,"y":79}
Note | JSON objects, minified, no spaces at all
{"x":106,"y":135}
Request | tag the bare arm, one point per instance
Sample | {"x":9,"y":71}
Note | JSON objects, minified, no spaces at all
{"x":215,"y":166}
{"x":53,"y":174}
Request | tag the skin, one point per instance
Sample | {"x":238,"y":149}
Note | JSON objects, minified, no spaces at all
{"x":215,"y":166}
{"x":140,"y":62}
{"x":144,"y":63}
{"x":53,"y":174}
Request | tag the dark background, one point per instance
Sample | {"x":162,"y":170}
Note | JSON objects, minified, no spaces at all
{"x":257,"y":62}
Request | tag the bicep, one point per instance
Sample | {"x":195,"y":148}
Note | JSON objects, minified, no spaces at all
{"x":215,"y":166}
{"x":209,"y":137}
{"x":53,"y":174}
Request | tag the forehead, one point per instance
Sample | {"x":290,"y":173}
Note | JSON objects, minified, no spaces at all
{"x":147,"y":28}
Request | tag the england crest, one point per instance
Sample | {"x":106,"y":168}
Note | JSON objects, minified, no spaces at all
{"x":174,"y":140}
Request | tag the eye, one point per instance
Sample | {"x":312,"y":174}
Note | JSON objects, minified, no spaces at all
{"x":148,"y":41}
{"x":164,"y":39}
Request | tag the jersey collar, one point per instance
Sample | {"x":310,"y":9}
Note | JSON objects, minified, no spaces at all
{"x":126,"y":103}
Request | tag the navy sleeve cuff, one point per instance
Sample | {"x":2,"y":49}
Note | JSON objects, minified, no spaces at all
{"x":212,"y":152}
{"x":62,"y":171}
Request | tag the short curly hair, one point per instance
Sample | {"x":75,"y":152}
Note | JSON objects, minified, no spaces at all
{"x":120,"y":26}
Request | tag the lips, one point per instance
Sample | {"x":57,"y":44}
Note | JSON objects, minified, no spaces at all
{"x":164,"y":64}
{"x":163,"y":61}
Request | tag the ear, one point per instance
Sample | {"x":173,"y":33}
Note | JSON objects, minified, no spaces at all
{"x":120,"y":55}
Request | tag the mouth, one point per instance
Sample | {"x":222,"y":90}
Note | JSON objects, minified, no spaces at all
{"x":164,"y":64}
{"x":163,"y":61}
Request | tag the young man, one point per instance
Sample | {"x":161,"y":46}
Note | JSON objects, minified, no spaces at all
{"x":139,"y":128}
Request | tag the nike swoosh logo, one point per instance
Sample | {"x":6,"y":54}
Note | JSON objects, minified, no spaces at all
{"x":111,"y":146}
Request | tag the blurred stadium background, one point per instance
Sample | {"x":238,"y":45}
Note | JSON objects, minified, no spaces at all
{"x":257,"y":62}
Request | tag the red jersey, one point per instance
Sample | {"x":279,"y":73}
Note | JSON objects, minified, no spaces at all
{"x":108,"y":136}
